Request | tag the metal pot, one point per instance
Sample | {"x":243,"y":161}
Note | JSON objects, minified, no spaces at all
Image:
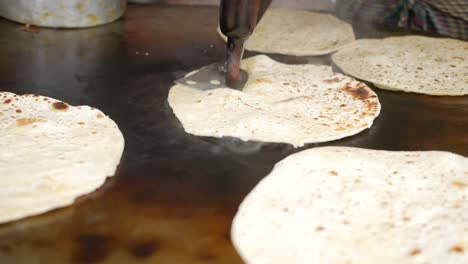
{"x":63,"y":13}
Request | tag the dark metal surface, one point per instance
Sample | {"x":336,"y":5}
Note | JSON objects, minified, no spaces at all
{"x":174,"y":195}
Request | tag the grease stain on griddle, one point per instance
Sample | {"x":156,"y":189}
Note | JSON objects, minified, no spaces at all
{"x":6,"y":249}
{"x":144,"y":249}
{"x":226,"y":236}
{"x":92,"y":248}
{"x":206,"y":256}
{"x":40,"y":243}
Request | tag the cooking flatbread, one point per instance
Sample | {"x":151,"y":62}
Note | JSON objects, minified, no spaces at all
{"x":51,"y":153}
{"x":347,"y":205}
{"x":299,"y":33}
{"x":295,"y":104}
{"x":433,"y":66}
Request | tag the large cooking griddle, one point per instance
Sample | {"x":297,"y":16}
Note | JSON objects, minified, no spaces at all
{"x":174,"y":196}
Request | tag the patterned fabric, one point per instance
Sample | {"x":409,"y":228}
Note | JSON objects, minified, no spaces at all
{"x":455,"y":8}
{"x":444,"y":17}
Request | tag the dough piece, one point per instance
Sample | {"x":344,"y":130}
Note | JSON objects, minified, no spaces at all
{"x":51,"y":153}
{"x":348,"y":205}
{"x":295,"y":104}
{"x":434,"y":66}
{"x":298,"y":33}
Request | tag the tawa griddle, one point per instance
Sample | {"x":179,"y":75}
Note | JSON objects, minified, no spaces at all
{"x":174,"y":196}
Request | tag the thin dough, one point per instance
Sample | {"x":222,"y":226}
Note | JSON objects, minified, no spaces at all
{"x":348,"y":205}
{"x":298,"y":33}
{"x":295,"y":104}
{"x":51,"y":153}
{"x":433,"y":66}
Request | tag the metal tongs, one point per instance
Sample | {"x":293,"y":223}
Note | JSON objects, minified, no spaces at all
{"x":237,"y":20}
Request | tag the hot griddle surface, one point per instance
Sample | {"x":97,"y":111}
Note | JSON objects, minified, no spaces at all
{"x":174,"y":195}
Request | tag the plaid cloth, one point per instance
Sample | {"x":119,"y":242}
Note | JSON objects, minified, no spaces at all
{"x":444,"y":17}
{"x":458,"y":9}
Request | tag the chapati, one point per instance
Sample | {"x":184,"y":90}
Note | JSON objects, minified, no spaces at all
{"x":298,"y":33}
{"x":295,"y":104}
{"x":51,"y":153}
{"x":347,"y":205}
{"x":433,"y":66}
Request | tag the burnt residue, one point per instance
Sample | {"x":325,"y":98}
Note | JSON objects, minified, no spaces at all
{"x":27,"y":121}
{"x":60,"y":106}
{"x":359,"y":91}
{"x":40,"y":243}
{"x":226,"y":236}
{"x":415,"y":252}
{"x":457,"y":249}
{"x":372,"y":105}
{"x":7,"y":101}
{"x":144,"y":249}
{"x":30,"y":29}
{"x":263,"y":81}
{"x":460,"y":185}
{"x":295,"y":98}
{"x":206,"y":256}
{"x":6,"y":249}
{"x":319,"y":228}
{"x":92,"y":248}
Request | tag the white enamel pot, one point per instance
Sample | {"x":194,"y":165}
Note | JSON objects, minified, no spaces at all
{"x":63,"y":13}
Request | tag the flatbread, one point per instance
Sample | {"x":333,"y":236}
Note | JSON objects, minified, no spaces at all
{"x":298,"y":33}
{"x":51,"y":153}
{"x":347,"y":205}
{"x":434,"y":66}
{"x":295,"y":104}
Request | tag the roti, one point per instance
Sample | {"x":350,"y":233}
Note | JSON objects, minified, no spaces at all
{"x":294,"y":104}
{"x":51,"y":153}
{"x":298,"y":33}
{"x":434,"y":66}
{"x":347,"y":205}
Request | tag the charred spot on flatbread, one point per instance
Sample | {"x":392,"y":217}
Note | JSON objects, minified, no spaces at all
{"x":60,"y":106}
